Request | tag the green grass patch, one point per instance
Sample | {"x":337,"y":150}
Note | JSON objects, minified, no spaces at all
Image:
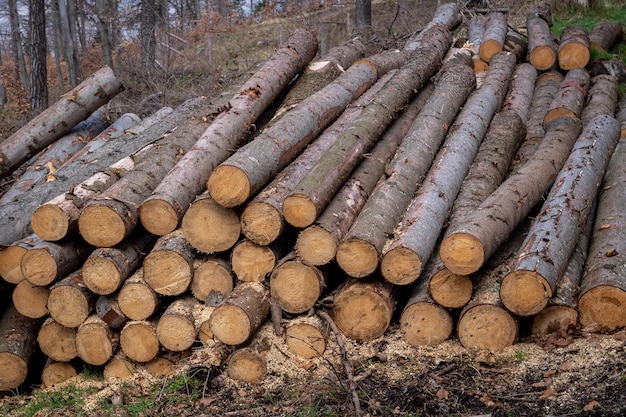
{"x":566,"y":14}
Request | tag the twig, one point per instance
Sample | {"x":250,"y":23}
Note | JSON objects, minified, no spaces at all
{"x":276,"y":313}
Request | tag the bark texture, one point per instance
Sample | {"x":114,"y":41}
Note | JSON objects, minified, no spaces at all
{"x":493,"y":38}
{"x":542,"y":51}
{"x":605,"y":35}
{"x":601,"y":99}
{"x":574,"y":48}
{"x":570,"y":99}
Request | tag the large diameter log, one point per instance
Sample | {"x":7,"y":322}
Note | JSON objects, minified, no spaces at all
{"x":56,"y":341}
{"x":470,"y":244}
{"x":170,"y":199}
{"x":168,"y":268}
{"x":571,"y":97}
{"x":18,"y":341}
{"x":414,"y":240}
{"x":574,"y":48}
{"x":605,"y":35}
{"x":601,"y":99}
{"x":31,"y":300}
{"x":543,"y":257}
{"x":296,"y":286}
{"x":176,"y":328}
{"x":212,"y":280}
{"x":315,"y":190}
{"x":603,"y":290}
{"x":542,"y":53}
{"x":95,"y":341}
{"x":136,"y":299}
{"x":11,"y":258}
{"x":58,"y":119}
{"x":493,"y":38}
{"x":139,"y":341}
{"x":70,"y":302}
{"x":359,"y":252}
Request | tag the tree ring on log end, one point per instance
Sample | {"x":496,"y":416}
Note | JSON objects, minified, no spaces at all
{"x":175,"y":332}
{"x":137,"y":301}
{"x":93,"y":344}
{"x":158,"y":217}
{"x":316,"y":245}
{"x":542,"y":57}
{"x":357,"y":257}
{"x":209,"y":227}
{"x":167,"y":272}
{"x":230,"y":324}
{"x":49,"y":222}
{"x":39,"y":266}
{"x":229,"y":186}
{"x":425,"y":324}
{"x":451,"y":290}
{"x":10,"y":264}
{"x":247,"y":367}
{"x":525,"y":293}
{"x":101,"y":226}
{"x":211,"y":275}
{"x":31,"y":300}
{"x":14,"y":371}
{"x":487,"y":326}
{"x":262,"y":223}
{"x":305,"y":340}
{"x":139,"y":341}
{"x":554,"y":319}
{"x":361,"y":314}
{"x":462,"y":253}
{"x":101,"y":275}
{"x":401,"y":266}
{"x":252,"y":262}
{"x":299,"y":210}
{"x":603,"y":305}
{"x":68,"y":306}
{"x":295,"y":286}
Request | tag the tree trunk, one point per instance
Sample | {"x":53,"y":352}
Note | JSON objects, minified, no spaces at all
{"x":212,"y":280}
{"x":16,"y":44}
{"x":95,"y":341}
{"x":542,"y":52}
{"x":305,"y":336}
{"x":252,"y":262}
{"x":414,"y":240}
{"x":519,"y":98}
{"x":57,"y":372}
{"x":11,"y":258}
{"x":38,"y":54}
{"x":574,"y":48}
{"x":168,"y":268}
{"x":363,"y":16}
{"x":103,"y":16}
{"x":57,"y":342}
{"x":18,"y":341}
{"x":70,"y":302}
{"x":493,"y":38}
{"x":570,"y":99}
{"x":296,"y":286}
{"x":605,"y":35}
{"x":315,"y":190}
{"x":170,"y":200}
{"x":470,"y":244}
{"x":138,"y":340}
{"x":359,"y":252}
{"x":31,"y":300}
{"x":136,"y":299}
{"x":602,"y":98}
{"x":58,"y":119}
{"x":176,"y":328}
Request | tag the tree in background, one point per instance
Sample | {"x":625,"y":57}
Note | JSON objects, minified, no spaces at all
{"x":363,"y":15}
{"x":38,"y":52}
{"x":16,"y":46}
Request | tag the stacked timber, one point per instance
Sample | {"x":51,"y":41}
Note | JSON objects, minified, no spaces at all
{"x":409,"y":184}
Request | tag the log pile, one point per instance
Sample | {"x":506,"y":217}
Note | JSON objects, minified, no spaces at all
{"x":402,"y":187}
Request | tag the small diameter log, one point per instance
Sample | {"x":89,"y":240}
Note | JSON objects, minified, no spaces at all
{"x":95,"y":341}
{"x":517,"y":45}
{"x":47,"y":261}
{"x":447,"y":14}
{"x":168,"y":268}
{"x":70,"y":302}
{"x":519,"y":98}
{"x":18,"y":341}
{"x":317,"y":244}
{"x":362,"y":309}
{"x":602,"y":98}
{"x":57,"y":342}
{"x":475,"y":32}
{"x":315,"y":190}
{"x":305,"y":336}
{"x":119,"y":367}
{"x":605,"y":35}
{"x":543,"y":257}
{"x":296,"y":286}
{"x":358,"y":253}
{"x":494,"y":35}
{"x":168,"y":202}
{"x":235,"y":320}
{"x":571,"y":97}
{"x":574,"y":48}
{"x":249,"y":364}
{"x":58,"y":119}
{"x":252,"y":262}
{"x":424,"y":322}
{"x":212,"y":280}
{"x":139,"y":341}
{"x":603,"y":288}
{"x":31,"y":300}
{"x":176,"y":328}
{"x":11,"y":258}
{"x":470,"y":244}
{"x":542,"y":52}
{"x":160,"y":367}
{"x":105,"y":269}
{"x":108,"y":309}
{"x":57,"y":372}
{"x":414,"y":240}
{"x":136,"y":299}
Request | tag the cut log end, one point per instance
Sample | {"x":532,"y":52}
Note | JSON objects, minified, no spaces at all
{"x":487,"y":326}
{"x":316,"y":245}
{"x":57,"y":342}
{"x":525,"y":293}
{"x":558,"y":113}
{"x":31,"y":300}
{"x":139,"y":341}
{"x":118,"y":368}
{"x":56,"y":372}
{"x":101,"y":275}
{"x":489,"y":48}
{"x":295,"y":286}
{"x":305,"y":340}
{"x":101,"y":226}
{"x":209,"y":276}
{"x":94,"y":344}
{"x":39,"y":266}
{"x":401,"y":266}
{"x":176,"y":332}
{"x":160,"y":367}
{"x":361,"y":314}
{"x":167,"y":272}
{"x":543,"y":57}
{"x":247,"y":366}
{"x":262,"y":223}
{"x":210,"y":227}
{"x":554,"y":319}
{"x":49,"y":222}
{"x":573,"y":55}
{"x":603,"y":306}
{"x":252,"y":262}
{"x":229,"y":186}
{"x":14,"y":371}
{"x":425,"y":324}
{"x":299,"y":210}
{"x":68,"y":305}
{"x":137,"y":301}
{"x":230,"y":324}
{"x":158,"y":217}
{"x":462,"y":253}
{"x":451,"y":290}
{"x":357,"y":257}
{"x":10,"y":261}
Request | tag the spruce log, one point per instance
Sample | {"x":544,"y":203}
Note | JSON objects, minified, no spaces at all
{"x":11,"y":258}
{"x":550,"y":242}
{"x":470,"y":244}
{"x":176,"y":328}
{"x":296,"y":286}
{"x":315,"y":190}
{"x":517,"y":45}
{"x":212,"y":280}
{"x":602,"y":98}
{"x":57,"y":372}
{"x":69,"y":301}
{"x":414,"y":240}
{"x":136,"y":299}
{"x":18,"y":341}
{"x":574,"y":48}
{"x":164,"y":208}
{"x":252,"y":262}
{"x":31,"y":300}
{"x":605,"y":35}
{"x":56,"y":341}
{"x":58,"y":119}
{"x":571,"y":97}
{"x":160,"y":367}
{"x":493,"y":38}
{"x":603,"y":288}
{"x":119,"y":367}
{"x":519,"y":98}
{"x":317,"y":244}
{"x":475,"y":32}
{"x":235,"y":320}
{"x":306,"y":336}
{"x":542,"y":52}
{"x":138,"y":340}
{"x":542,"y":10}
{"x":249,"y":363}
{"x":358,"y":253}
{"x":95,"y":341}
{"x":108,"y":309}
{"x":168,"y":268}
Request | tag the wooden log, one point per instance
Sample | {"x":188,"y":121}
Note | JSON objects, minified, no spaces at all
{"x":315,"y":190}
{"x":543,"y":257}
{"x":18,"y":341}
{"x":160,"y":367}
{"x":136,"y":299}
{"x":570,"y":99}
{"x":168,"y":268}
{"x":108,"y":309}
{"x":574,"y":48}
{"x":475,"y":32}
{"x":58,"y":119}
{"x":542,"y":10}
{"x":212,"y":280}
{"x":252,"y":262}
{"x":105,"y":269}
{"x":602,"y":98}
{"x":249,"y":363}
{"x":469,"y":245}
{"x":31,"y":300}
{"x":57,"y":372}
{"x":305,"y":336}
{"x":317,"y":244}
{"x":358,"y":253}
{"x":56,"y":341}
{"x":176,"y":328}
{"x":603,"y":291}
{"x":235,"y":320}
{"x":202,"y":316}
{"x":493,"y":38}
{"x":542,"y":52}
{"x":519,"y":98}
{"x":605,"y":35}
{"x":296,"y":286}
{"x":620,"y":116}
{"x":446,"y":14}
{"x":119,"y":367}
{"x":169,"y":200}
{"x":95,"y":341}
{"x":414,"y":240}
{"x":11,"y":258}
{"x":516,"y":44}
{"x":139,"y":341}
{"x":69,"y":301}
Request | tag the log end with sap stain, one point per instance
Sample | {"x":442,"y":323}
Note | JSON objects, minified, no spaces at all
{"x":229,"y":185}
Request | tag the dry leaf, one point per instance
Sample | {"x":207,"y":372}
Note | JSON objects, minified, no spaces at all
{"x":442,"y":394}
{"x":592,"y":405}
{"x":548,"y":394}
{"x":487,"y":400}
{"x":548,"y":374}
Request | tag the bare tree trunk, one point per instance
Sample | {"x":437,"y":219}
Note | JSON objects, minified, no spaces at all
{"x":70,"y":41}
{"x":104,"y":19}
{"x":57,"y":41}
{"x":38,"y":54}
{"x":16,"y":44}
{"x":363,"y":16}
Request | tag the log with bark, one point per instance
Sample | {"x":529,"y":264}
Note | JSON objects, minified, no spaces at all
{"x":516,"y":44}
{"x":212,"y":280}
{"x":574,"y":48}
{"x":57,"y":372}
{"x":446,"y":14}
{"x":249,"y":363}
{"x":31,"y":300}
{"x":296,"y":286}
{"x":56,"y":341}
{"x":69,"y":301}
{"x":602,"y":98}
{"x":605,"y":35}
{"x":139,"y":341}
{"x":95,"y":341}
{"x":176,"y":327}
{"x":108,"y":309}
{"x":58,"y":119}
{"x":475,"y":32}
{"x":168,"y":268}
{"x":136,"y":299}
{"x":11,"y":258}
{"x":306,"y":336}
{"x":542,"y":51}
{"x":519,"y":98}
{"x":571,"y":97}
{"x":496,"y":28}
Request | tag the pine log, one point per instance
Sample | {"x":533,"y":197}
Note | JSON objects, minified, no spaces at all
{"x":414,"y":240}
{"x":57,"y":372}
{"x":168,"y":268}
{"x":58,"y":119}
{"x":603,"y":289}
{"x":176,"y":328}
{"x":31,"y":300}
{"x":249,"y":363}
{"x":57,"y":342}
{"x":359,"y":252}
{"x":18,"y":341}
{"x":315,"y":190}
{"x":571,"y":97}
{"x":136,"y":299}
{"x":108,"y":309}
{"x":519,"y":98}
{"x":475,"y":32}
{"x":119,"y":367}
{"x":574,"y":48}
{"x":295,"y":285}
{"x":542,"y":52}
{"x":105,"y":269}
{"x":138,"y":340}
{"x":252,"y":262}
{"x":95,"y":341}
{"x":605,"y":35}
{"x":69,"y":301}
{"x":317,"y":244}
{"x":235,"y":320}
{"x":164,"y":208}
{"x":469,"y":245}
{"x":543,"y":257}
{"x":493,"y":38}
{"x":602,"y":98}
{"x":160,"y":367}
{"x":306,"y":336}
{"x":11,"y":258}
